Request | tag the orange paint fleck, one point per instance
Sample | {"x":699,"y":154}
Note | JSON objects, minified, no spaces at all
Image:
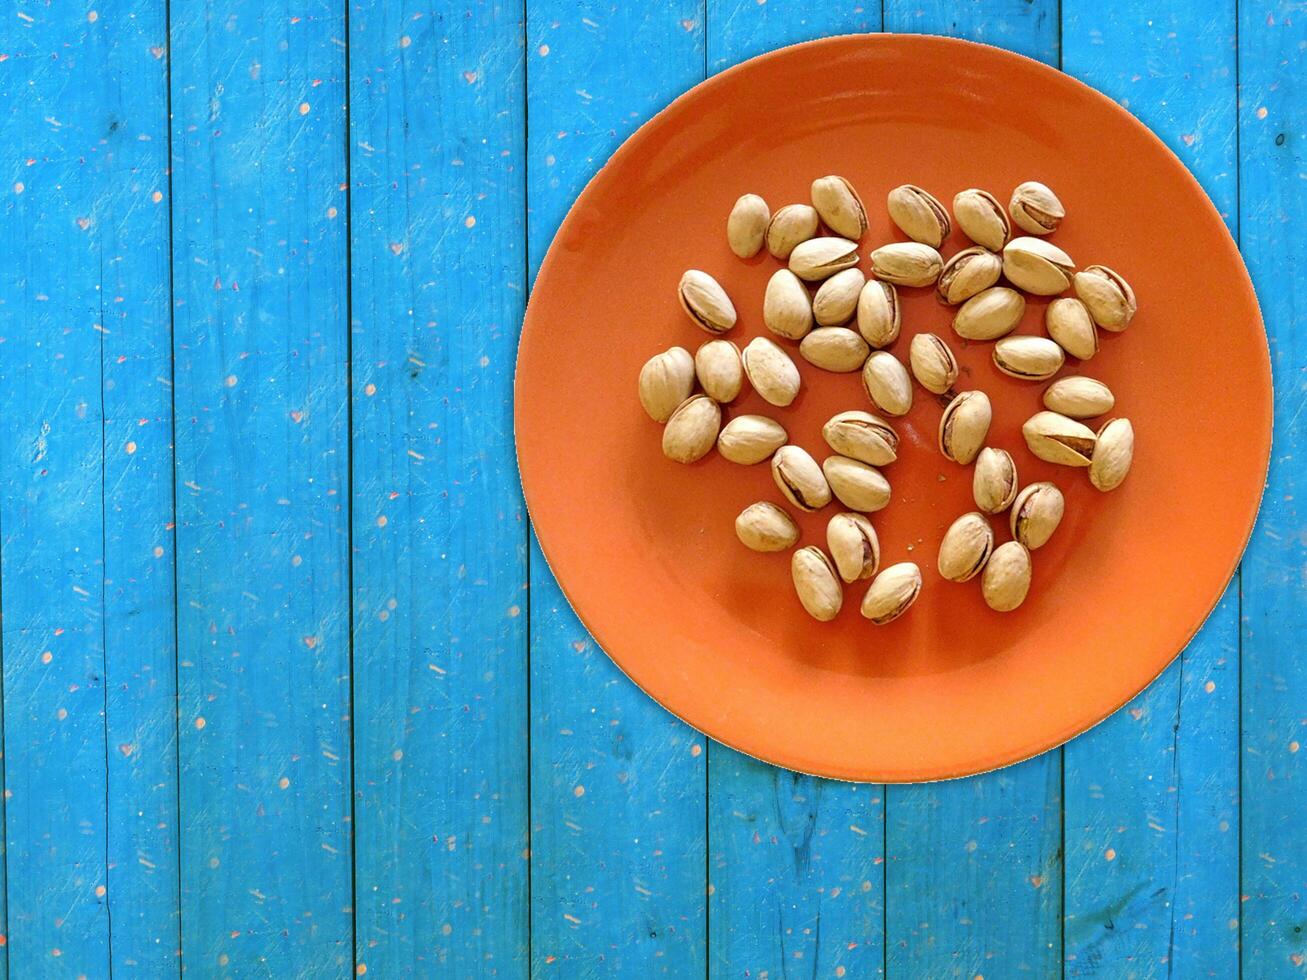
{"x":381,"y":521}
{"x":839,"y":971}
{"x":1293,"y":746}
{"x":696,"y":750}
{"x":369,"y":389}
{"x":687,"y":25}
{"x":1110,"y":854}
{"x":200,"y":723}
{"x":469,"y":77}
{"x":310,"y":641}
{"x":230,"y":381}
{"x":92,"y":16}
{"x":396,"y":247}
{"x":361,"y":969}
{"x":83,"y":223}
{"x":470,"y":221}
{"x":47,"y":657}
{"x":331,"y":212}
{"x":304,"y":108}
{"x":156,"y":197}
{"x":126,"y":748}
{"x":223,"y":959}
{"x":130,"y":447}
{"x":61,"y":714}
{"x":56,"y":952}
{"x":446,"y":929}
{"x":19,"y":187}
{"x":578,"y":792}
{"x":544,"y":50}
{"x":514,"y":611}
{"x":397,"y":754}
{"x":405,"y":41}
{"x":1261,"y":112}
{"x":99,"y":891}
{"x":283,"y":783}
{"x":1036,"y":881}
{"x":1209,"y":687}
{"x":158,"y":551}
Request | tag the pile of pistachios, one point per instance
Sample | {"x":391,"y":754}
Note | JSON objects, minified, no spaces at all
{"x":843,"y":320}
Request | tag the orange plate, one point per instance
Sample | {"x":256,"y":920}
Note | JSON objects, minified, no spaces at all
{"x":645,"y":549}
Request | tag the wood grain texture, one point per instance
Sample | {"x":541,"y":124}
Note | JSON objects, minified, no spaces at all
{"x":1151,"y":795}
{"x":1272,"y":207}
{"x":260,"y":343}
{"x":618,"y":848}
{"x":438,"y":270}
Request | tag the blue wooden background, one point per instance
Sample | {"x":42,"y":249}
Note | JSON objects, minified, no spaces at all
{"x":288,"y":690}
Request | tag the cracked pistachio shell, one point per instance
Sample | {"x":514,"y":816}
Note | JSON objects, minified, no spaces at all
{"x":1036,"y":513}
{"x":964,"y":425}
{"x":1028,"y":358}
{"x":666,"y":380}
{"x":1057,"y":439}
{"x":855,"y":484}
{"x":816,"y":584}
{"x":1109,"y":298}
{"x":1037,"y":266}
{"x":862,"y":436}
{"x":720,"y":372}
{"x":906,"y":264}
{"x":1113,"y":453}
{"x":933,"y":364}
{"x":765,"y":527}
{"x":994,"y":480}
{"x":1006,"y":580}
{"x":989,"y":314}
{"x":691,"y":432}
{"x":771,"y":372}
{"x":747,"y":225}
{"x":891,"y":593}
{"x":837,"y":298}
{"x":839,"y":206}
{"x":820,"y":258}
{"x":749,"y":439}
{"x":970,"y":271}
{"x":982,"y":218}
{"x":919,"y":215}
{"x":966,"y":547}
{"x":792,"y":224}
{"x":836,"y":349}
{"x":1078,"y":397}
{"x":800,"y":479}
{"x":879,"y":315}
{"x":1036,"y":209}
{"x":886,"y":382}
{"x":786,"y":308}
{"x":853,"y":545}
{"x":1068,"y":322}
{"x":705,"y":302}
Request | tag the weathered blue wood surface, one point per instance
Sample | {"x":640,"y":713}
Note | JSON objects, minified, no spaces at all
{"x":382,"y":181}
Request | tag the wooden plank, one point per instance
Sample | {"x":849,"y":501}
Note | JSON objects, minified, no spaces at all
{"x":1272,"y":207}
{"x":796,"y":871}
{"x":953,"y":848}
{"x":1152,"y":795}
{"x":617,"y":785}
{"x":260,"y":278}
{"x":438,"y":269}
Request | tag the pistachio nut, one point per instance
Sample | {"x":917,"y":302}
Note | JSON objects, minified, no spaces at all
{"x":721,"y":375}
{"x":666,"y":380}
{"x":982,"y":218}
{"x":799,"y":478}
{"x":964,"y":426}
{"x":891,"y":593}
{"x":786,"y":308}
{"x":790,"y":225}
{"x":1029,"y":358}
{"x":1007,"y":577}
{"x":771,"y":372}
{"x":1113,"y":453}
{"x":853,"y":546}
{"x":862,"y":436}
{"x":820,"y":258}
{"x":691,"y":432}
{"x":705,"y":302}
{"x":1068,"y":322}
{"x":765,"y":527}
{"x":837,"y":298}
{"x":839,"y":206}
{"x":990,"y":314}
{"x":1035,"y":208}
{"x":1036,"y":513}
{"x":834,"y":349}
{"x":994,"y":480}
{"x":1055,"y":438}
{"x":879,"y":316}
{"x":1110,"y":299}
{"x":1037,"y":266}
{"x":966,"y":547}
{"x":968,"y":272}
{"x":747,"y":226}
{"x":749,"y":439}
{"x":919,"y":215}
{"x":886,"y":382}
{"x":906,"y":264}
{"x":816,"y":583}
{"x":933,"y":364}
{"x":855,"y":484}
{"x":1078,"y":397}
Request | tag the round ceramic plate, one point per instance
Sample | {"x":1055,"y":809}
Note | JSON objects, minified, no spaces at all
{"x":645,"y":548}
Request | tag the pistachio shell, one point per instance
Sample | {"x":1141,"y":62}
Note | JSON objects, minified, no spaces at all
{"x":1055,"y":438}
{"x":853,"y":546}
{"x":907,"y":264}
{"x":982,"y":218}
{"x":691,"y":432}
{"x":994,"y":480}
{"x":1037,"y":266}
{"x":749,"y":439}
{"x":990,"y":314}
{"x":720,"y":372}
{"x":886,"y":382}
{"x":933,"y":364}
{"x":855,"y":484}
{"x":1113,"y":453}
{"x":879,"y":316}
{"x":1036,"y":513}
{"x":771,"y":372}
{"x":790,"y":225}
{"x":666,"y":380}
{"x":968,"y":272}
{"x":747,"y":225}
{"x":1028,"y":358}
{"x":839,"y":206}
{"x":891,"y":593}
{"x":1078,"y":397}
{"x":816,"y":584}
{"x":837,"y":298}
{"x":1006,"y":580}
{"x":966,"y":547}
{"x":705,"y":302}
{"x":765,"y":527}
{"x":1109,"y":298}
{"x":964,"y":426}
{"x":786,"y":308}
{"x":821,"y":258}
{"x":919,"y":215}
{"x":1068,"y":322}
{"x":799,"y":478}
{"x":834,"y":349}
{"x":1036,"y":209}
{"x":862,"y":436}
